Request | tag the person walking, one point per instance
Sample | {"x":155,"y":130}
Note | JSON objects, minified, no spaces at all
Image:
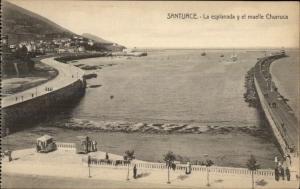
{"x":288,"y":174}
{"x":276,"y":173}
{"x":188,"y":168}
{"x":106,"y":156}
{"x":94,"y":146}
{"x":134,"y":172}
{"x":282,"y":172}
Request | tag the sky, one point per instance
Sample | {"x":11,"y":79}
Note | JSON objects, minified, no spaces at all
{"x":145,"y":24}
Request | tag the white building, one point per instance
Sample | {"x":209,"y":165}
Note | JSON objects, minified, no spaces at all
{"x":91,"y":43}
{"x":81,"y":49}
{"x":60,"y":50}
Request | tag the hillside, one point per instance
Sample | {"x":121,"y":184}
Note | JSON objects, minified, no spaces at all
{"x":20,"y":25}
{"x":95,"y":38}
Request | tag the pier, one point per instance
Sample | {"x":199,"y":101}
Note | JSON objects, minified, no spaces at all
{"x":279,"y":115}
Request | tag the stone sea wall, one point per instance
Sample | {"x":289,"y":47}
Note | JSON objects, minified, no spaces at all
{"x":25,"y":114}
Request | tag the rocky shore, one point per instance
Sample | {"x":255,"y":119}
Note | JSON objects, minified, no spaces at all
{"x":250,"y":95}
{"x":159,"y":128}
{"x":72,"y":57}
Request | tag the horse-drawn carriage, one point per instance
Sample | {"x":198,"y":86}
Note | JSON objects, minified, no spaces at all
{"x":45,"y":144}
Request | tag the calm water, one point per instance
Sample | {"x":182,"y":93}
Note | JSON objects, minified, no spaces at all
{"x":286,"y":75}
{"x":169,"y":86}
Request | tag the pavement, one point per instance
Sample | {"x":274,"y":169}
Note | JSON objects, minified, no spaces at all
{"x":284,"y":116}
{"x":65,"y":166}
{"x":67,"y":74}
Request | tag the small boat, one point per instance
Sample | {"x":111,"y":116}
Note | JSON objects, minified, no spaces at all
{"x":222,"y":55}
{"x":232,"y":60}
{"x":203,"y":54}
{"x":233,"y":57}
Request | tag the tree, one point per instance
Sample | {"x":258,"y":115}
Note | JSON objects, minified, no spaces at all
{"x":129,"y":155}
{"x":169,"y":158}
{"x":252,"y":166}
{"x":208,"y":163}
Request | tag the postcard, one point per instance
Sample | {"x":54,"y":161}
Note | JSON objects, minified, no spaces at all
{"x":149,"y":94}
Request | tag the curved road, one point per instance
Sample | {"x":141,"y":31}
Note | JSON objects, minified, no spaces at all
{"x":67,"y":74}
{"x":285,"y":119}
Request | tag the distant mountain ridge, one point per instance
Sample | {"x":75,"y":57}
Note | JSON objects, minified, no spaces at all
{"x":96,"y":38}
{"x":20,"y":25}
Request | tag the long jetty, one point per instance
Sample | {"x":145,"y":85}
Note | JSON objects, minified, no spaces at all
{"x":279,"y":115}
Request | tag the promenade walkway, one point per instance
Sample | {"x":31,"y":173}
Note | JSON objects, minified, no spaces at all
{"x":280,"y":116}
{"x":66,"y":164}
{"x":67,"y":74}
{"x":284,"y":117}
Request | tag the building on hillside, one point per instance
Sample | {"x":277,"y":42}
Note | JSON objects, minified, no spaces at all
{"x":71,"y":50}
{"x":81,"y":49}
{"x":4,"y":40}
{"x":13,"y":48}
{"x":90,"y":42}
{"x":61,"y":50}
{"x":68,"y":44}
{"x":30,"y":47}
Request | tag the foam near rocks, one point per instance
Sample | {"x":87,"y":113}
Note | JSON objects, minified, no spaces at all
{"x":166,"y":128}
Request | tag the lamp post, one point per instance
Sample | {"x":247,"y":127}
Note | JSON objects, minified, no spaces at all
{"x":129,"y":156}
{"x":169,"y":158}
{"x":208,"y":163}
{"x":168,"y":167}
{"x":89,"y":165}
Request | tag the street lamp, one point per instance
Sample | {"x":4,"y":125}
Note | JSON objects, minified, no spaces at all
{"x":129,"y":156}
{"x":168,"y":166}
{"x":208,"y":163}
{"x":89,"y":165}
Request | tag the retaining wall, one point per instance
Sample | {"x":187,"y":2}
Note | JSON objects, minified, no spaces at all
{"x":21,"y":113}
{"x":17,"y":116}
{"x":270,"y":118}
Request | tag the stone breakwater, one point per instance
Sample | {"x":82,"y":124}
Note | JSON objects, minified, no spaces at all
{"x":250,"y":95}
{"x":159,"y":128}
{"x":22,"y":109}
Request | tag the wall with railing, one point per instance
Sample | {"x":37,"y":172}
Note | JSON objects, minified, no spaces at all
{"x":271,"y":119}
{"x":65,"y":146}
{"x":181,"y":167}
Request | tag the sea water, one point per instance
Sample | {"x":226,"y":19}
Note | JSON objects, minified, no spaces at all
{"x":168,"y":86}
